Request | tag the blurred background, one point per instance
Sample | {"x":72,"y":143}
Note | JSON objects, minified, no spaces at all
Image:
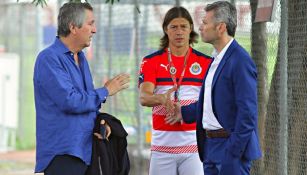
{"x":127,"y":31}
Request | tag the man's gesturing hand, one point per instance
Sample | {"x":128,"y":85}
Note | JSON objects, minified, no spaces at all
{"x":117,"y":83}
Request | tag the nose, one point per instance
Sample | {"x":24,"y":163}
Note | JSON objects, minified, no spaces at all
{"x":94,"y":29}
{"x":180,"y":31}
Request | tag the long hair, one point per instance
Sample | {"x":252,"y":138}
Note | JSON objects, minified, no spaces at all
{"x":177,"y":12}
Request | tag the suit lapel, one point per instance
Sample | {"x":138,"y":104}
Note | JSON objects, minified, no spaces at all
{"x":230,"y":49}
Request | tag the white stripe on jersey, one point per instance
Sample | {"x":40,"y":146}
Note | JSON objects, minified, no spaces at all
{"x":186,"y":92}
{"x":173,"y":138}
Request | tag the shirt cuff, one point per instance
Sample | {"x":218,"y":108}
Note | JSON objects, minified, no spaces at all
{"x":103,"y":93}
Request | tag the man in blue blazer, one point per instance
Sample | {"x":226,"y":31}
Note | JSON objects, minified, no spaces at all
{"x":226,"y":112}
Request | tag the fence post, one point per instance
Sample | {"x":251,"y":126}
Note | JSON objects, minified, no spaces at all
{"x":140,"y":142}
{"x":283,"y":135}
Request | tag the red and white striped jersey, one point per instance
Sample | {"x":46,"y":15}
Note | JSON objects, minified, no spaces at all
{"x":180,"y":137}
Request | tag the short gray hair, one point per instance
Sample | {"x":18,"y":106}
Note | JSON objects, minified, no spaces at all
{"x":224,"y":12}
{"x":71,"y":14}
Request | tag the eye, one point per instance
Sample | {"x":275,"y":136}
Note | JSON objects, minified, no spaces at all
{"x":184,"y":27}
{"x":92,"y":23}
{"x":174,"y":28}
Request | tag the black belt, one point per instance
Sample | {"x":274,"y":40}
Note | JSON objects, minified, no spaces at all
{"x":220,"y":133}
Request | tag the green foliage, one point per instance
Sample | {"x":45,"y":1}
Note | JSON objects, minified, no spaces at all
{"x":43,"y":3}
{"x":111,"y":1}
{"x":38,"y":2}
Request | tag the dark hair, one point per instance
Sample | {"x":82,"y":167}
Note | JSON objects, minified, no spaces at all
{"x":224,"y":12}
{"x":71,"y":13}
{"x":177,"y":12}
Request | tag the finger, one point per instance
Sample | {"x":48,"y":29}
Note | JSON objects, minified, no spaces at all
{"x":123,"y":76}
{"x":125,"y":86}
{"x":98,"y":135}
{"x":108,"y":132}
{"x":170,"y":112}
{"x":169,"y":116}
{"x":102,"y":122}
{"x":173,"y":89}
{"x":125,"y":81}
{"x":173,"y":122}
{"x":169,"y":119}
{"x":118,"y":77}
{"x":170,"y":107}
{"x":176,"y":120}
{"x":169,"y":102}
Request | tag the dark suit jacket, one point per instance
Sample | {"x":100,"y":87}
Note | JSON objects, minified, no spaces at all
{"x":234,"y":103}
{"x":110,"y":157}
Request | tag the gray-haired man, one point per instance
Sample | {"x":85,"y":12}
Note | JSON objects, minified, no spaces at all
{"x":65,"y":99}
{"x":226,"y":112}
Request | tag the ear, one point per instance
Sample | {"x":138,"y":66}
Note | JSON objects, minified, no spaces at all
{"x":222,"y":27}
{"x":72,"y":28}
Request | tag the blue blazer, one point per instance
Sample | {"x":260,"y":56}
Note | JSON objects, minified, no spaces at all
{"x":234,"y":103}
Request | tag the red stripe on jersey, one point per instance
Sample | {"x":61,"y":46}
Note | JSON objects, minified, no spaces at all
{"x":175,"y":149}
{"x":159,"y":124}
{"x":183,"y":83}
{"x":160,"y":109}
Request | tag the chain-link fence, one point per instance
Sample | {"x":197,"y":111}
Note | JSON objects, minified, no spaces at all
{"x":131,"y":29}
{"x":19,"y":35}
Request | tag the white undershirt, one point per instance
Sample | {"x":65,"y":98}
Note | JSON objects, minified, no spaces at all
{"x":209,"y":120}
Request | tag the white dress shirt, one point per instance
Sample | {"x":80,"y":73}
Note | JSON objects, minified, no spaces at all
{"x":209,"y":120}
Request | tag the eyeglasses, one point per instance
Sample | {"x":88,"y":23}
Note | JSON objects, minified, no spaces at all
{"x":181,"y":27}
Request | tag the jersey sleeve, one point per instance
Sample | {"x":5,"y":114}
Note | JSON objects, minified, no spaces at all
{"x":147,"y":71}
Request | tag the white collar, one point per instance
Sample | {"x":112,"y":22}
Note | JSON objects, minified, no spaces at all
{"x":220,"y":55}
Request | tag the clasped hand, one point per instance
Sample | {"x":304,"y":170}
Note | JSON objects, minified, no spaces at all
{"x":173,"y":109}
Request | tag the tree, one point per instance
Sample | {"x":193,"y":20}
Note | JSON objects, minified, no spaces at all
{"x":297,"y":93}
{"x":259,"y":54}
{"x":285,"y":129}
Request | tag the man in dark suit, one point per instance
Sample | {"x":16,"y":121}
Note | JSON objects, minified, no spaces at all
{"x":226,"y":112}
